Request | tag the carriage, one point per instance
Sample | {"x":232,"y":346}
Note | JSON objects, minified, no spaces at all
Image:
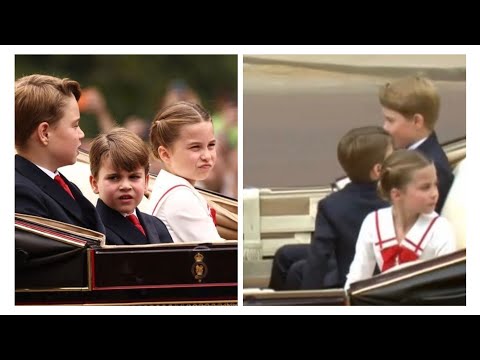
{"x":58,"y":263}
{"x":275,"y":217}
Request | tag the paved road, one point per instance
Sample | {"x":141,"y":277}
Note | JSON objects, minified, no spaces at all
{"x":293,"y":119}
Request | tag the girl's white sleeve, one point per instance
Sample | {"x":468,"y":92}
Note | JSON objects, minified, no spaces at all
{"x":188,"y":218}
{"x":443,"y":238}
{"x":364,"y":261}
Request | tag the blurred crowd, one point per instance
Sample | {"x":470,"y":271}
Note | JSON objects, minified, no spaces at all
{"x":223,"y":178}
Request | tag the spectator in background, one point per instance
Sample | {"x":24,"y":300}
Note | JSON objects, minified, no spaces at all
{"x":178,"y":90}
{"x":223,"y":177}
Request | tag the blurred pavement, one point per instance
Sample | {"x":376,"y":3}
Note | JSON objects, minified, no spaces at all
{"x":296,"y":108}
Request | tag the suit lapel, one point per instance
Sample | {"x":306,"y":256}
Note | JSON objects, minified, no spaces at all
{"x":49,"y":186}
{"x":152,"y":235}
{"x":117,"y":223}
{"x":428,"y":144}
{"x":62,"y":197}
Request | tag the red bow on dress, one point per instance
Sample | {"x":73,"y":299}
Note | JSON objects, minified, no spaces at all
{"x":395,"y":255}
{"x":213,"y":214}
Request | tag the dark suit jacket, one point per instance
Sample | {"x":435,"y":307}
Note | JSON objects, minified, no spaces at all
{"x":120,"y":231}
{"x":432,"y":150}
{"x":339,"y":218}
{"x":38,"y":194}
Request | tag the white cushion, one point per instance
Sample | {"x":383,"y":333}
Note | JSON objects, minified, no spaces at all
{"x":454,"y":207}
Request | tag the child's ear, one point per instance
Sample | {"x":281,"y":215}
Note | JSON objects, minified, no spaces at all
{"x":394,"y":194}
{"x":164,"y":154}
{"x":94,"y":184}
{"x":42,"y":132}
{"x":147,"y":179}
{"x":375,"y":173}
{"x":418,"y":121}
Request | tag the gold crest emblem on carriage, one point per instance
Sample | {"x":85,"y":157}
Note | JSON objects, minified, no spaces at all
{"x":199,"y":268}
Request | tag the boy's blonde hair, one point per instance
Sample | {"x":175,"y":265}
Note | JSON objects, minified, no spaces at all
{"x":166,"y":126}
{"x":360,"y":149}
{"x":40,"y":98}
{"x":397,"y":170}
{"x":125,"y":149}
{"x":412,"y":95}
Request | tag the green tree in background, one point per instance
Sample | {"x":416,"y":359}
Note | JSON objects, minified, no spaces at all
{"x":136,"y":84}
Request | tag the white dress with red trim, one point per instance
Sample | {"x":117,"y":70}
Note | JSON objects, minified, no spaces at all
{"x":430,"y":237}
{"x":182,"y":209}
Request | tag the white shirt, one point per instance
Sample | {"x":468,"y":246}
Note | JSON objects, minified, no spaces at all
{"x":133,"y":213}
{"x":48,"y":172}
{"x":433,"y":239}
{"x":182,"y":209}
{"x":417,"y":144}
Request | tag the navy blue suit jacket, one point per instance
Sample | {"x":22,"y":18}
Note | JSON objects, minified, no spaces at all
{"x":120,"y":231}
{"x":38,"y":194}
{"x":431,"y":149}
{"x":339,"y":218}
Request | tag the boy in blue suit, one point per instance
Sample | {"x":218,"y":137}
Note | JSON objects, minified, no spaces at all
{"x":119,"y":164}
{"x":339,"y":217}
{"x":47,"y":136}
{"x":410,"y":107}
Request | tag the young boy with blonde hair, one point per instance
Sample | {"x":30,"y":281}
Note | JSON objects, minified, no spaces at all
{"x":411,"y":106}
{"x":47,"y":137}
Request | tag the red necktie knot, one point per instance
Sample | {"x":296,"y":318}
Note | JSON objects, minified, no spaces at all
{"x":64,"y":185}
{"x":134,"y":220}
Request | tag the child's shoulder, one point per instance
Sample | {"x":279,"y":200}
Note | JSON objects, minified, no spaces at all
{"x":180,"y":192}
{"x":352,"y":192}
{"x":440,"y":221}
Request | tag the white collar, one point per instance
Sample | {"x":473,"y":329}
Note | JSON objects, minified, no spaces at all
{"x":414,"y":235}
{"x":133,"y":213}
{"x":48,"y":172}
{"x":417,"y":144}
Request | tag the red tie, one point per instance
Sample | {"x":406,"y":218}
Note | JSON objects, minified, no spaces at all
{"x":65,"y":187}
{"x":135,"y":222}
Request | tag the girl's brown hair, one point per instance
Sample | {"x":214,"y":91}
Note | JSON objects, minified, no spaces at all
{"x":168,"y":122}
{"x":397,"y":170}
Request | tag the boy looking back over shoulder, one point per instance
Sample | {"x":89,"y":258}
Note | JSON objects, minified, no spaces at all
{"x":339,"y":216}
{"x":411,"y":107}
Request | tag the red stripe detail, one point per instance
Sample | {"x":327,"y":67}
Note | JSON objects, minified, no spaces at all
{"x":413,"y":244}
{"x":426,"y":232}
{"x":385,"y":241}
{"x":50,"y":231}
{"x":163,"y":286}
{"x":173,"y":187}
{"x":378,"y":230}
{"x":92,"y":268}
